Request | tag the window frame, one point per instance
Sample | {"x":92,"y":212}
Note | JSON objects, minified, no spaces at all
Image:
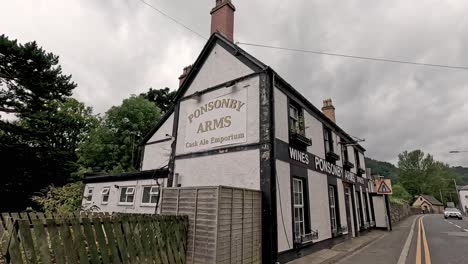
{"x":357,"y":159}
{"x":360,"y":217}
{"x":333,"y":209}
{"x":151,"y":193}
{"x":104,"y":193}
{"x":299,"y":207}
{"x":127,"y":194}
{"x":328,"y":140}
{"x":89,"y":195}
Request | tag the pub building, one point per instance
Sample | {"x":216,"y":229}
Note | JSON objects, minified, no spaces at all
{"x":236,"y":122}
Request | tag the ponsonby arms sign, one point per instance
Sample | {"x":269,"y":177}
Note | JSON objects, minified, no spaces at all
{"x":321,"y":165}
{"x":216,"y":122}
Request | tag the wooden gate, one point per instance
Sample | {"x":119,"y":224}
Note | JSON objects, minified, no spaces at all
{"x":93,"y":238}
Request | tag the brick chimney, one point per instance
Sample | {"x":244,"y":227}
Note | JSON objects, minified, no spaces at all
{"x":329,"y":110}
{"x":222,"y":18}
{"x":184,"y":74}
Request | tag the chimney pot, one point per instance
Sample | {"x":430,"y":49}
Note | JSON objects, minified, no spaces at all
{"x":329,"y":110}
{"x":222,"y":19}
{"x":184,"y":74}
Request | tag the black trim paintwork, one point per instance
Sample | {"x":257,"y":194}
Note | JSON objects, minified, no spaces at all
{"x":220,"y":86}
{"x":158,"y":141}
{"x":157,"y":126}
{"x":267,"y":172}
{"x":127,"y":176}
{"x":282,"y":153}
{"x":175,"y":128}
{"x":219,"y":151}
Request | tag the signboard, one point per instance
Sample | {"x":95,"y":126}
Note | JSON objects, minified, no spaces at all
{"x":322,"y":165}
{"x":216,"y":122}
{"x":384,"y":186}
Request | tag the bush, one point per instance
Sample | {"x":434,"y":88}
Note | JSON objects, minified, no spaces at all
{"x":65,"y":199}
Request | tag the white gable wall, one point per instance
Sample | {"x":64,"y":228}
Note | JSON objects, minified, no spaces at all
{"x":164,"y":129}
{"x":220,"y":67}
{"x":157,"y":155}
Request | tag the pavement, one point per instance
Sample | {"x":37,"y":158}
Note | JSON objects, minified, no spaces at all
{"x":374,"y":247}
{"x":419,"y":239}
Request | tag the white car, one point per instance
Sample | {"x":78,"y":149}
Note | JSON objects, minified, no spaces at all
{"x":452,"y":212}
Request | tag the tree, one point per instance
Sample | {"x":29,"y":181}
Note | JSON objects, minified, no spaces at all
{"x":161,"y":97}
{"x":400,"y":193}
{"x":111,"y":146}
{"x":33,"y":162}
{"x":29,"y":79}
{"x":421,"y":174}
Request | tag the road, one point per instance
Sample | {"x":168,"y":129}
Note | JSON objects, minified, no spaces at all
{"x":434,"y":240}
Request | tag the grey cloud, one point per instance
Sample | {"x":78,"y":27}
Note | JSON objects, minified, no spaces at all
{"x":117,"y":48}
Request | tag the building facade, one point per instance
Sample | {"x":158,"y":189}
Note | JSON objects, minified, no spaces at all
{"x":236,"y":122}
{"x":463,"y":197}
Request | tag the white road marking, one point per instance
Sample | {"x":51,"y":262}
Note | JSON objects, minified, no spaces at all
{"x":451,"y":222}
{"x":465,"y":230}
{"x":458,"y":226}
{"x":404,"y":251}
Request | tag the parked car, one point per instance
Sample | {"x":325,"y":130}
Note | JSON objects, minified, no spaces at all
{"x":452,"y":212}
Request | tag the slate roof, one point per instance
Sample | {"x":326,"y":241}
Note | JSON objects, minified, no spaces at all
{"x":432,"y":200}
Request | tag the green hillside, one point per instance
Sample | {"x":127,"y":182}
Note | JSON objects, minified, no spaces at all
{"x":389,"y":170}
{"x":382,"y":168}
{"x":463,"y":172}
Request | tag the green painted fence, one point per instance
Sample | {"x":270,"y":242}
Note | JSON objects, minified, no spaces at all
{"x":92,"y":238}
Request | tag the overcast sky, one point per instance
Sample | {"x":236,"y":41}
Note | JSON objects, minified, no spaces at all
{"x":115,"y":48}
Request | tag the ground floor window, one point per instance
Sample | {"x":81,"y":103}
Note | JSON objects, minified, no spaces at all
{"x":150,"y":195}
{"x":358,"y":207}
{"x":89,"y":195}
{"x":299,"y":212}
{"x":105,"y":195}
{"x":333,"y":214}
{"x":366,"y":208}
{"x":127,"y":194}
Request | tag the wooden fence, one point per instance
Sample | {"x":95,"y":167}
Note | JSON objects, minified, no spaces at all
{"x":92,"y":238}
{"x":225,"y":223}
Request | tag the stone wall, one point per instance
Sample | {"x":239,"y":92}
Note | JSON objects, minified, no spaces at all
{"x":401,"y":210}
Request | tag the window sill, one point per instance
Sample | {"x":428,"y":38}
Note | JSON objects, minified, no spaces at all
{"x":125,"y":204}
{"x":105,"y":203}
{"x":148,"y":205}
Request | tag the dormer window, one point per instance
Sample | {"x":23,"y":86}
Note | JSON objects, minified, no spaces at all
{"x":297,"y":127}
